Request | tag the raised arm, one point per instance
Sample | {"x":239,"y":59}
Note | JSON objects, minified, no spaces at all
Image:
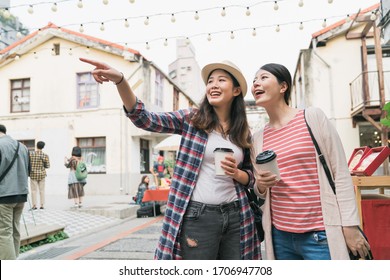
{"x":105,"y":73}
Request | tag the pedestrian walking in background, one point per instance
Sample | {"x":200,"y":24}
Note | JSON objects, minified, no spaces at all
{"x":39,"y":163}
{"x":207,"y":216}
{"x":75,"y":187}
{"x":303,"y":218}
{"x":14,"y":169}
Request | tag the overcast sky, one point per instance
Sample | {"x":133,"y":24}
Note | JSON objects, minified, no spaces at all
{"x":247,"y":51}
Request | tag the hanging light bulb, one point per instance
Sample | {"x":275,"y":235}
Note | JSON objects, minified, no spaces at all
{"x":39,"y":31}
{"x":18,"y":35}
{"x":276,"y":6}
{"x":54,"y":7}
{"x":373,"y":16}
{"x":87,"y":50}
{"x":102,"y":28}
{"x":35,"y":55}
{"x":277,"y":29}
{"x":248,"y":12}
{"x":196,"y":17}
{"x":223,"y":13}
{"x":105,"y":2}
{"x":127,"y":24}
{"x":165,"y":42}
{"x":146,"y":22}
{"x":324,"y":23}
{"x":300,"y":3}
{"x":80,"y":4}
{"x":70,"y":51}
{"x":188,"y":41}
{"x":30,"y":9}
{"x":330,"y":1}
{"x":348,"y":18}
{"x":6,"y":13}
{"x":147,"y":46}
{"x":17,"y":57}
{"x":209,"y":37}
{"x":301,"y":26}
{"x":231,"y":35}
{"x":53,"y":53}
{"x":173,"y":19}
{"x":81,"y":29}
{"x":132,"y":1}
{"x":254,"y":32}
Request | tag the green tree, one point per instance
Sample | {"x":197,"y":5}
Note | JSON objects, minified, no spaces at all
{"x":386,"y":120}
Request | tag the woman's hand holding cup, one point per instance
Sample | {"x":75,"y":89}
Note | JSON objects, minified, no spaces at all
{"x":265,"y":180}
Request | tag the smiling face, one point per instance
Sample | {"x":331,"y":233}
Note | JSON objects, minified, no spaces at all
{"x":266,"y":89}
{"x":220,"y":89}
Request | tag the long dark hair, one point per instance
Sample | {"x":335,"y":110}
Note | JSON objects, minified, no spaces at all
{"x":282,"y":75}
{"x":206,"y":119}
{"x":143,"y":181}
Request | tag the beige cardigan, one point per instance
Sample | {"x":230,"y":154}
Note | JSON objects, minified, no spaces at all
{"x":338,"y":210}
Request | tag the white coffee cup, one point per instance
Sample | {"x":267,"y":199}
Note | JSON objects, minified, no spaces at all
{"x":219,"y":155}
{"x":266,"y":161}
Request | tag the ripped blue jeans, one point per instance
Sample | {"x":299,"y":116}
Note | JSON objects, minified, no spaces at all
{"x":211,"y":232}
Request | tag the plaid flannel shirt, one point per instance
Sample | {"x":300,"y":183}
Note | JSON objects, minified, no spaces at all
{"x":188,"y":162}
{"x":39,"y":162}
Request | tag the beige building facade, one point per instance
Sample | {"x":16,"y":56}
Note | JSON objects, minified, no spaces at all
{"x":339,"y":73}
{"x":49,"y":95}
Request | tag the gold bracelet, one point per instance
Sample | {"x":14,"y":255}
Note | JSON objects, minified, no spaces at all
{"x":120,"y":80}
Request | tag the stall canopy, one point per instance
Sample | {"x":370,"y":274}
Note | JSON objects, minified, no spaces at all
{"x":170,"y":143}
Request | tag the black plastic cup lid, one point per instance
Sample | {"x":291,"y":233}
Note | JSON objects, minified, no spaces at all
{"x":265,"y":156}
{"x":226,"y":150}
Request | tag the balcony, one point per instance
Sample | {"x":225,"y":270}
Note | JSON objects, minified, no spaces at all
{"x":365,"y":95}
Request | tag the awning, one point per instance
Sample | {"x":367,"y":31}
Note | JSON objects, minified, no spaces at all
{"x":170,"y":143}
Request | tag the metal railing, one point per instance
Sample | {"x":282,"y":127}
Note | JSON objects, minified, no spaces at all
{"x":357,"y":88}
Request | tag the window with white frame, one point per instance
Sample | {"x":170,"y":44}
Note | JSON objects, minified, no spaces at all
{"x":93,"y":151}
{"x":87,"y":91}
{"x":20,"y":95}
{"x":159,"y":89}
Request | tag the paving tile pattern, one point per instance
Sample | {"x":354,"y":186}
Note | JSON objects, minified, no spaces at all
{"x":75,"y":222}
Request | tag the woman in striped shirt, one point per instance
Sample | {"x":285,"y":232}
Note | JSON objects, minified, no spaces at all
{"x":207,"y":216}
{"x":303,"y":218}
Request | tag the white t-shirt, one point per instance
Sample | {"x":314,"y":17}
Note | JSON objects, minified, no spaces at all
{"x":212,"y":189}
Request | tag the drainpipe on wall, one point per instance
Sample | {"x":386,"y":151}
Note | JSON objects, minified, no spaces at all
{"x":314,"y":44}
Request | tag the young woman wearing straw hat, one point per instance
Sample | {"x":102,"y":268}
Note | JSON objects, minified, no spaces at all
{"x":207,"y":216}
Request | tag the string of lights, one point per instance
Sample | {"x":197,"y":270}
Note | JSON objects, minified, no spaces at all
{"x":147,"y":18}
{"x":278,"y":27}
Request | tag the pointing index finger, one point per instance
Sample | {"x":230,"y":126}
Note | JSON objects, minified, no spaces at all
{"x":93,"y":62}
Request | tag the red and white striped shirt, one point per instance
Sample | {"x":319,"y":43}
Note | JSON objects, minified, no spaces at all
{"x":295,"y":199}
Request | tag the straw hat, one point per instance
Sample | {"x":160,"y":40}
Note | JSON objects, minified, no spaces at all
{"x":229,"y":67}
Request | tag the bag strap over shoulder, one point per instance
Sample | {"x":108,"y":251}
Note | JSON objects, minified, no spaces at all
{"x":321,"y":157}
{"x":12,"y":162}
{"x":330,"y":179}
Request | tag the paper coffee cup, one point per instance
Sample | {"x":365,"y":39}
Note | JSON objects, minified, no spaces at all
{"x":266,"y":161}
{"x":219,"y":155}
